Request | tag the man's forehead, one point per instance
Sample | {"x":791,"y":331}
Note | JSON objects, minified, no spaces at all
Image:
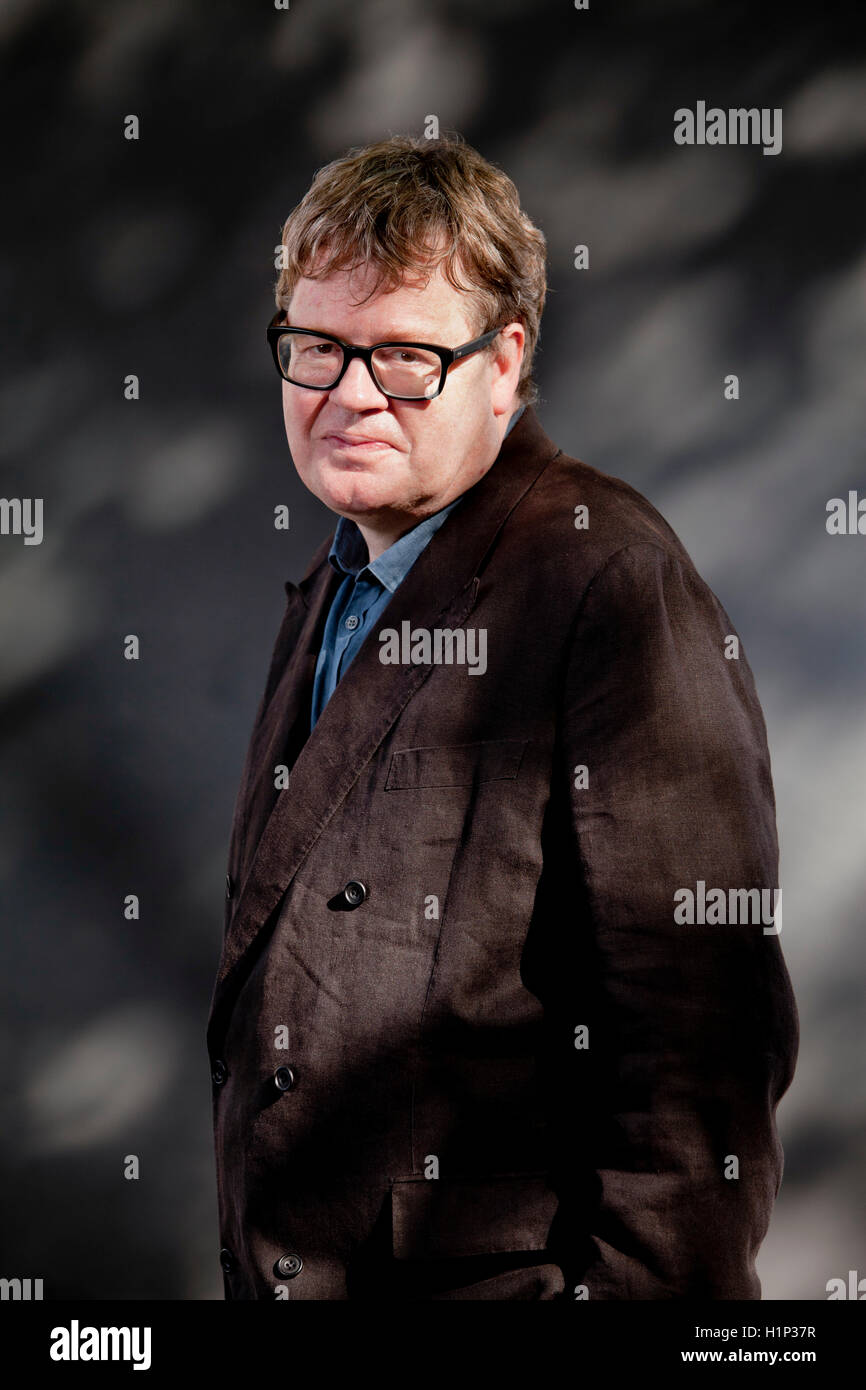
{"x":407,"y":309}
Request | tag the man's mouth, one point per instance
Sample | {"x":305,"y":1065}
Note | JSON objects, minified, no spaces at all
{"x":359,"y":443}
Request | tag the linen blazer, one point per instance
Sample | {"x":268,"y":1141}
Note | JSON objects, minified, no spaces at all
{"x":461,"y":1046}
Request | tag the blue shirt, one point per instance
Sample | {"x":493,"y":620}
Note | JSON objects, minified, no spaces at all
{"x":366,"y":591}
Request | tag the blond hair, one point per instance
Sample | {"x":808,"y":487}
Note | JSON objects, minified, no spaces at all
{"x":407,"y":204}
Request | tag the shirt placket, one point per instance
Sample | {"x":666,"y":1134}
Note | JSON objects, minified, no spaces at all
{"x":353,"y":627}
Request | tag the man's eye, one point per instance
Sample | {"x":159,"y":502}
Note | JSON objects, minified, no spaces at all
{"x":399,"y":355}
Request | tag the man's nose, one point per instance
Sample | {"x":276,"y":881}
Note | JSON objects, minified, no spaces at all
{"x":357,"y":388}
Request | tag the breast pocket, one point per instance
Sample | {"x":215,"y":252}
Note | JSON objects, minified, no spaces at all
{"x":475,"y":1238}
{"x":444,"y":1218}
{"x":455,"y":765}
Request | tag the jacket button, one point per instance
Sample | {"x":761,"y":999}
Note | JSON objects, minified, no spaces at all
{"x":288,"y":1266}
{"x":230,"y":885}
{"x":227,"y":1260}
{"x":355,"y":892}
{"x":219,"y":1071}
{"x":284,"y":1078}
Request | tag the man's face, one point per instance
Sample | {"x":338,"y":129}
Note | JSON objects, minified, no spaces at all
{"x":424,"y":453}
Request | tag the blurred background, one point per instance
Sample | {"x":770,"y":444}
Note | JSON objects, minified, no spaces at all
{"x":155,"y":257}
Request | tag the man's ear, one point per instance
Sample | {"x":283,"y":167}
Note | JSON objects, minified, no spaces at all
{"x":507,"y":358}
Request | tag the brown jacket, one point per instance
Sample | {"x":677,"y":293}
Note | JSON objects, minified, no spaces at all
{"x":501,"y":1069}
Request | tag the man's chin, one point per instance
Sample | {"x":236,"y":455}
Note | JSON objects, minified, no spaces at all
{"x":356,"y":490}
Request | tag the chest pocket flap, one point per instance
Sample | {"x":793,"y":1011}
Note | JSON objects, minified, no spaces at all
{"x":484,"y":1216}
{"x":455,"y":765}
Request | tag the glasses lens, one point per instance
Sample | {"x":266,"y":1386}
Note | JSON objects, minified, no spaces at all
{"x":309,"y":361}
{"x":407,"y":371}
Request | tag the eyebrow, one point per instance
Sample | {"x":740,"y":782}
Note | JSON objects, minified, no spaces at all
{"x":391,"y":334}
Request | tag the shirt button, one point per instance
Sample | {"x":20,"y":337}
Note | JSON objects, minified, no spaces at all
{"x":288,"y":1266}
{"x":227,"y":1260}
{"x":284,"y":1078}
{"x":355,"y":892}
{"x":219,"y":1071}
{"x":230,"y":886}
{"x":352,"y":622}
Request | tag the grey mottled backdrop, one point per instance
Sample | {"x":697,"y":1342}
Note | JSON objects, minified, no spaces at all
{"x":155,"y":257}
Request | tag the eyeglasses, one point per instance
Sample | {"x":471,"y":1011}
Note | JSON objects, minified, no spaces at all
{"x":403,"y":371}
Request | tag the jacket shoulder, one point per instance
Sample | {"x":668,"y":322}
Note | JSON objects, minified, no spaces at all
{"x":576,"y":518}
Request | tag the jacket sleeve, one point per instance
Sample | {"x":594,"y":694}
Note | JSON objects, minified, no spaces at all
{"x":680,"y":1038}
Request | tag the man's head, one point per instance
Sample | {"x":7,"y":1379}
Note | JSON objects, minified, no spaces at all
{"x":415,"y":240}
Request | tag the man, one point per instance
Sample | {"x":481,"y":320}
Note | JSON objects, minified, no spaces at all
{"x":466,"y":1040}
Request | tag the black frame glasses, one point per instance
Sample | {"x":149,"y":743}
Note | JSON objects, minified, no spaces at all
{"x":447,"y":356}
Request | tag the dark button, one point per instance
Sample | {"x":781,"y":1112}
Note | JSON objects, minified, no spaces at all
{"x":285,"y":1078}
{"x":355,"y":892}
{"x":227,"y":1260}
{"x":219,"y":1071}
{"x":230,"y":885}
{"x":288,"y":1266}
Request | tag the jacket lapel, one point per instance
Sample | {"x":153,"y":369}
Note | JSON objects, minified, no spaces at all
{"x":440,"y":590}
{"x":286,"y":703}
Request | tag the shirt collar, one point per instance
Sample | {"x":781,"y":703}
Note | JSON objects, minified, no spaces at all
{"x":349,"y":549}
